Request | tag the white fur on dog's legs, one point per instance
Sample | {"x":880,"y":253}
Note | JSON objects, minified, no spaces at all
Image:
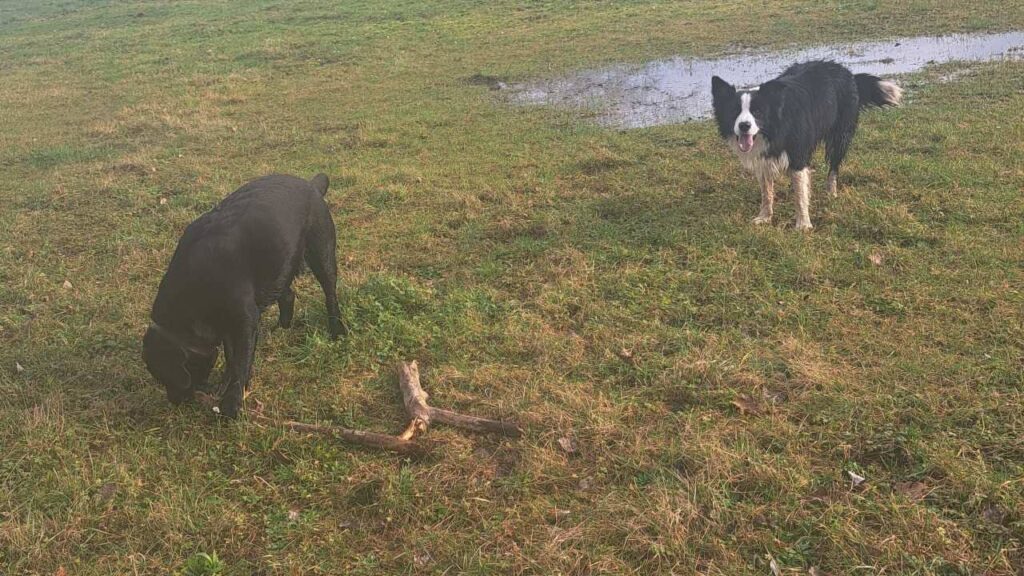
{"x":802,"y":196}
{"x":767,"y":201}
{"x":833,"y":184}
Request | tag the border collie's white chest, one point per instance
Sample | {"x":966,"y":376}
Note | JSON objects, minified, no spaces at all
{"x":756,"y":160}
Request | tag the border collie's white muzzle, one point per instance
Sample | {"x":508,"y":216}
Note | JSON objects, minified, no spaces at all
{"x":745,"y":138}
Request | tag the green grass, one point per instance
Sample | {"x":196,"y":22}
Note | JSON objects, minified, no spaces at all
{"x":516,"y":252}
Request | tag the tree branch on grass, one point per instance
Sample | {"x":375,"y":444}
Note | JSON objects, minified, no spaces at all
{"x":420,"y":413}
{"x":423,"y":414}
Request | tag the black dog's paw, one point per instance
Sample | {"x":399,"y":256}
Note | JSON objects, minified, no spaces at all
{"x":337,"y":328}
{"x":228,"y":408}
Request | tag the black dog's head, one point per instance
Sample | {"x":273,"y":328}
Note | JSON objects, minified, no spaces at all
{"x":167,"y":359}
{"x":742,"y":115}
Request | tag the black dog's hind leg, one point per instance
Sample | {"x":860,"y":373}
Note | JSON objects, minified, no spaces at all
{"x":286,"y":308}
{"x":239,"y":353}
{"x":320,"y":256}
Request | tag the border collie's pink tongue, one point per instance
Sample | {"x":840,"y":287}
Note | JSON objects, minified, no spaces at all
{"x":746,"y":142}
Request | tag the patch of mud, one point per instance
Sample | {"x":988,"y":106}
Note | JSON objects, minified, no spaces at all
{"x":492,"y":82}
{"x":679,"y":89}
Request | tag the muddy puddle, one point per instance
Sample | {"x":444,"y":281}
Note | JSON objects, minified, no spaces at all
{"x":679,"y":89}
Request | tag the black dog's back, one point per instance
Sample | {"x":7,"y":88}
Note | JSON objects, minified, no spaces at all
{"x":258,"y":231}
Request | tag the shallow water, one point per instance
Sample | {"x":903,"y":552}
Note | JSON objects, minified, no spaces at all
{"x":679,"y":89}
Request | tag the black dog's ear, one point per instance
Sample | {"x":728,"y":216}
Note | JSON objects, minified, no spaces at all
{"x":720,"y":89}
{"x":320,"y":183}
{"x":165,"y":360}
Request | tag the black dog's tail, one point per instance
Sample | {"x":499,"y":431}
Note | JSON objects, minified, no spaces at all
{"x":873,"y":91}
{"x":320,"y":183}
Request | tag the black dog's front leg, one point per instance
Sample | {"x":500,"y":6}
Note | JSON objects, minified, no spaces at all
{"x":239,"y":352}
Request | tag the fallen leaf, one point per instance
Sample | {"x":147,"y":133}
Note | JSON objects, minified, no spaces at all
{"x":626,"y":355}
{"x":774,"y":566}
{"x":422,"y":560}
{"x":774,"y":397}
{"x":876,"y":257}
{"x":585,"y":484}
{"x":163,"y":201}
{"x":206,"y":400}
{"x":993,"y":514}
{"x":18,"y":368}
{"x":293,"y":515}
{"x":746,"y":405}
{"x":857,"y":479}
{"x":913,"y":491}
{"x":558,"y":514}
{"x":567,"y":444}
{"x":68,"y":285}
{"x":253,"y":405}
{"x":60,"y":572}
{"x":106,"y":492}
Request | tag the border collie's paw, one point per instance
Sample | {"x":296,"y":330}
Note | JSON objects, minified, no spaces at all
{"x":762,"y":220}
{"x":803,"y":226}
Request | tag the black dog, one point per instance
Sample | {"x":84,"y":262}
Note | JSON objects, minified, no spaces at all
{"x":230,"y":264}
{"x":777,"y":125}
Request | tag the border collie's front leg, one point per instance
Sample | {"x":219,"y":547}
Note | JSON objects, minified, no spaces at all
{"x":767,"y":201}
{"x":802,"y":196}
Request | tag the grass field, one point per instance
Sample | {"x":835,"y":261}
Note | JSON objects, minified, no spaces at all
{"x":719,"y":380}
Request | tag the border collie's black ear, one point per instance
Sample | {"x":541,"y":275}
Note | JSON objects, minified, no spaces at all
{"x":320,"y":183}
{"x":721,"y":89}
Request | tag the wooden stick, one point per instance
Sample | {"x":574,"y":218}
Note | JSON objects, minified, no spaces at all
{"x":415,"y":398}
{"x":360,"y":437}
{"x":476,"y":424}
{"x":422,"y":413}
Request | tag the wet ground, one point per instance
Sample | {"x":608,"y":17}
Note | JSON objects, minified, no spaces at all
{"x":679,"y":89}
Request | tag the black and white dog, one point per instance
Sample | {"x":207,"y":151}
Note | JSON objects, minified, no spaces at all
{"x":778,"y":125}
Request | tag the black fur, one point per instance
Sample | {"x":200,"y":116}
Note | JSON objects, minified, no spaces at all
{"x":230,"y":264}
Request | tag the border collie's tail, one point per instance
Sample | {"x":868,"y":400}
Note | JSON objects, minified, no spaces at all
{"x":320,"y":183}
{"x":874,"y":91}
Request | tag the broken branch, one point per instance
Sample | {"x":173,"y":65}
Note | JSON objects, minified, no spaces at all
{"x":422,"y":413}
{"x":360,"y":437}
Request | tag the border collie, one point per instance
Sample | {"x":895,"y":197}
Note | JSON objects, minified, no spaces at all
{"x":777,"y":125}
